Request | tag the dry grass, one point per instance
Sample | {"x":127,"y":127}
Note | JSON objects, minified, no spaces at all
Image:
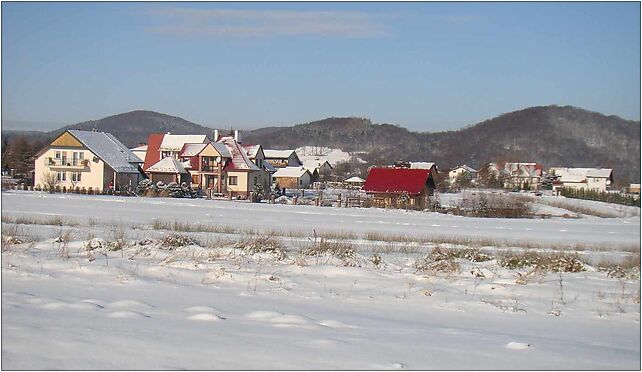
{"x":52,"y":221}
{"x":324,"y":247}
{"x":262,"y":244}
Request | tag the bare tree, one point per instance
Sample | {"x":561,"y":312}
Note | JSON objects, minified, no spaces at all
{"x":50,"y":180}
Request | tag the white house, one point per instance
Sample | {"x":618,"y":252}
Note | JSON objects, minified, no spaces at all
{"x":87,"y":159}
{"x":457,"y":171}
{"x":596,"y":179}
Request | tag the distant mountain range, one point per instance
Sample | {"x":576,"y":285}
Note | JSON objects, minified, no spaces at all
{"x":551,"y":135}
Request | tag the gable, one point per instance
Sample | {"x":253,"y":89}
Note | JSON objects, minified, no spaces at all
{"x":66,"y":140}
{"x":209,"y":150}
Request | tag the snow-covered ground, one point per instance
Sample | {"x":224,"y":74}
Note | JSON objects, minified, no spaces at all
{"x":212,"y":304}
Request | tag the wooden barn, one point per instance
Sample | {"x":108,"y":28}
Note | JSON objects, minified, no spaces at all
{"x":400,"y":187}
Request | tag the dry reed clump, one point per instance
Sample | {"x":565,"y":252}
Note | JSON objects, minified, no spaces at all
{"x":544,"y":262}
{"x":173,"y":241}
{"x":470,"y":254}
{"x":341,"y":250}
{"x":263,"y":244}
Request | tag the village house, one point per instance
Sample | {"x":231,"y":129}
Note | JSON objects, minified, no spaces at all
{"x":400,"y":187}
{"x":292,"y":178}
{"x":205,"y":162}
{"x":243,"y":176}
{"x":256,"y":154}
{"x":459,"y":170}
{"x":282,"y":158}
{"x":317,"y":168}
{"x":594,"y":179}
{"x":521,"y":175}
{"x":87,"y":159}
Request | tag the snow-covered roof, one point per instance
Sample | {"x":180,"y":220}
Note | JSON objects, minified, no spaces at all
{"x":269,"y":167}
{"x":580,"y":174}
{"x":238,"y":155}
{"x":296,"y":172}
{"x":466,"y":168}
{"x":140,"y":148}
{"x":222,"y":149}
{"x":421,"y":165}
{"x":277,"y":154}
{"x":252,"y":150}
{"x":175,"y":142}
{"x":109,"y":149}
{"x":167,"y":165}
{"x":355,"y":179}
{"x":192,"y":149}
{"x":311,"y":165}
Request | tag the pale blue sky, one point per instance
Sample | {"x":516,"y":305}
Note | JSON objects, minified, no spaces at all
{"x":424,"y":66}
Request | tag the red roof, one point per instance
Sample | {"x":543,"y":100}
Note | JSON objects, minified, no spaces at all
{"x":396,"y":180}
{"x":152,"y":156}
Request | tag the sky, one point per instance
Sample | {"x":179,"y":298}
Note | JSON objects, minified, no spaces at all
{"x":423,"y":66}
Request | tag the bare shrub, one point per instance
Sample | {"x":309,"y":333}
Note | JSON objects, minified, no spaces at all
{"x":428,"y":264}
{"x":262,"y":244}
{"x":494,"y":205}
{"x":173,"y":241}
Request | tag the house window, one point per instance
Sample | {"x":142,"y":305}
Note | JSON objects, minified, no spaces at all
{"x":233,"y":180}
{"x":58,"y":155}
{"x":300,"y":182}
{"x":76,"y":158}
{"x":61,"y":176}
{"x":76,"y":176}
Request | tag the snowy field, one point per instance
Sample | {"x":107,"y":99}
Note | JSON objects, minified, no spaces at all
{"x":101,"y":282}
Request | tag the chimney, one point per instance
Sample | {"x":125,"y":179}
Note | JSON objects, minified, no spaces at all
{"x":215,"y":135}
{"x":237,"y":136}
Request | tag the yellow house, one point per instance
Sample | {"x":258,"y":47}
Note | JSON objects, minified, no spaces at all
{"x":87,"y":159}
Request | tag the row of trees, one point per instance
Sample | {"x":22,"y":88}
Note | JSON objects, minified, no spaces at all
{"x":608,"y":197}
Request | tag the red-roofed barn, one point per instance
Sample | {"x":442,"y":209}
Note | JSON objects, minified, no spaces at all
{"x":400,"y":187}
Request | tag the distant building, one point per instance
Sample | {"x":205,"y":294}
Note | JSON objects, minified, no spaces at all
{"x":87,"y":159}
{"x":521,"y":175}
{"x":140,"y":151}
{"x":596,"y":179}
{"x":459,"y":170}
{"x":355,"y":182}
{"x":282,"y":158}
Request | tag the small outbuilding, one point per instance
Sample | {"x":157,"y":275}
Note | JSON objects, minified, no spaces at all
{"x":355,"y":182}
{"x":168,"y":170}
{"x":400,"y":187}
{"x":292,"y":178}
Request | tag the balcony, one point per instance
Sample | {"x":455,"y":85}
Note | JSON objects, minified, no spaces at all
{"x":67,"y":163}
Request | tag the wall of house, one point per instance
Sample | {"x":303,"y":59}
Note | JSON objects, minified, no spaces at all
{"x":92,"y":173}
{"x":166,"y":178}
{"x":242,"y":185}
